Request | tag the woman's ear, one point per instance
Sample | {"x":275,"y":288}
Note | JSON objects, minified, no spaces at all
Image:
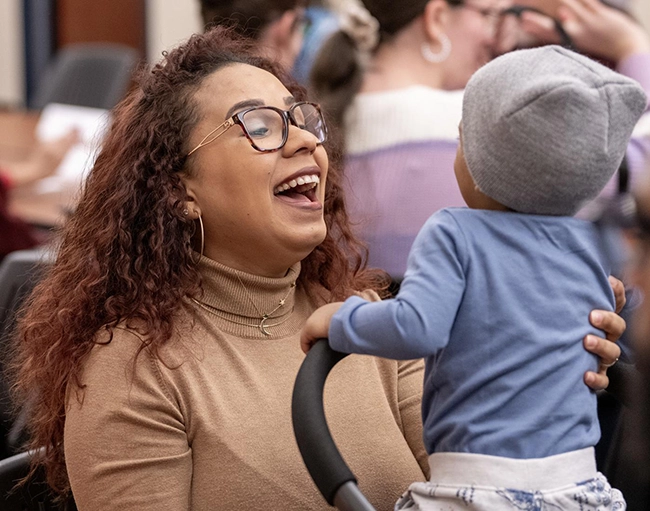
{"x":435,"y":17}
{"x":190,"y":203}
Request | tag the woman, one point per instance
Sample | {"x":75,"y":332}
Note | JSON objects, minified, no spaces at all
{"x":394,"y":78}
{"x":161,"y":376}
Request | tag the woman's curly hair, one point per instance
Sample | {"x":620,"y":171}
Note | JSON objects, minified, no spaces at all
{"x":125,"y":254}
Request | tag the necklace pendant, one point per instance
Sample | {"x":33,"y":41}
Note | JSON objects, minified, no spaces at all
{"x":262,"y":326}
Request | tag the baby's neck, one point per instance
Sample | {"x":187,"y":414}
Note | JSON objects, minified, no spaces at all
{"x":487,"y":203}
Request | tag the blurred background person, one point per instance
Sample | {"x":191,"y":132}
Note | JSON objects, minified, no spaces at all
{"x":277,"y":26}
{"x":322,"y":22}
{"x":392,"y":79}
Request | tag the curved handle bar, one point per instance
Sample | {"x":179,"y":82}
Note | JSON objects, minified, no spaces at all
{"x":326,"y":466}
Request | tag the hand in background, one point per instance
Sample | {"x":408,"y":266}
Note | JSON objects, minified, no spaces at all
{"x":595,"y":28}
{"x":43,"y":160}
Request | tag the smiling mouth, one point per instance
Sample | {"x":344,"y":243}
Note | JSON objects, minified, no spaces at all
{"x":302,"y":188}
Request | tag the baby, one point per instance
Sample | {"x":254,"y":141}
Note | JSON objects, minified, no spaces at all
{"x":496,"y":297}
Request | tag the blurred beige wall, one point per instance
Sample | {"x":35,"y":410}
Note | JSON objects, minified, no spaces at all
{"x":642,"y":11}
{"x":169,"y":23}
{"x":11,"y":53}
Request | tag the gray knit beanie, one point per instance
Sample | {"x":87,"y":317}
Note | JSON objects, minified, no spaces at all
{"x":545,"y":129}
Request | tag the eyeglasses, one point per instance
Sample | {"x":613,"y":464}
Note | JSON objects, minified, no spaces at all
{"x":492,"y":15}
{"x":267,"y":127}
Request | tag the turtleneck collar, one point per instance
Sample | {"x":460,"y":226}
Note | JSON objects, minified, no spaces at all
{"x":237,"y":300}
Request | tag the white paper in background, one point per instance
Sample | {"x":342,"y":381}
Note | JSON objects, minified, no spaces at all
{"x":55,"y":121}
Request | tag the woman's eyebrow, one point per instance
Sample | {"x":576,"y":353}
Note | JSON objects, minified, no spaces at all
{"x":289,"y":100}
{"x":243,"y":104}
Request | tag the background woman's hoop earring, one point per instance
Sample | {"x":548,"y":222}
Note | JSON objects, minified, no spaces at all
{"x":439,"y":56}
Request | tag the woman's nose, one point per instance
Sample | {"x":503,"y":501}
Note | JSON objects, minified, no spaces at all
{"x":299,"y":139}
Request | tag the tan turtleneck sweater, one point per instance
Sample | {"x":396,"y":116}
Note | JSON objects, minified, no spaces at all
{"x":207,"y":426}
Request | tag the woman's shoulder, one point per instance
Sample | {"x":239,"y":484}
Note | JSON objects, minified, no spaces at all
{"x":128,"y":345}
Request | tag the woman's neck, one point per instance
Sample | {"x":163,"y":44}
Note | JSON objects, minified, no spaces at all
{"x":398,"y":64}
{"x":270,"y":268}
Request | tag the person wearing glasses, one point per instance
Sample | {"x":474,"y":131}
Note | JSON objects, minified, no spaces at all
{"x":393,"y":80}
{"x":158,"y":355}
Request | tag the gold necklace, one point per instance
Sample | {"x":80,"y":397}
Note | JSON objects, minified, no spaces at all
{"x":262,"y":326}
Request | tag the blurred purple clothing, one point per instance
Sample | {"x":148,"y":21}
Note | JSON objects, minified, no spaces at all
{"x":400,"y":148}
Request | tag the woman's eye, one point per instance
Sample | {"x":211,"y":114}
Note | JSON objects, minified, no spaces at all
{"x":258,"y":131}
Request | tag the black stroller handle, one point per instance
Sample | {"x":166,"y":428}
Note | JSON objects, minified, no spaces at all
{"x":324,"y":462}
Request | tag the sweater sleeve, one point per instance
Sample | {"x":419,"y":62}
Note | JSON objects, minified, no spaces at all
{"x":418,"y":321}
{"x":125,"y":442}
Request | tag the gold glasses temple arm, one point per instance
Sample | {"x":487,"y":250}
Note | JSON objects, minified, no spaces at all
{"x":209,"y":138}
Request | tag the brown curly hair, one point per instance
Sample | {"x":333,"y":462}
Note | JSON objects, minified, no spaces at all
{"x":125,"y":254}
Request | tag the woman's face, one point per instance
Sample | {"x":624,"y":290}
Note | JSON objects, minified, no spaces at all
{"x":471,"y":29}
{"x":249,"y":224}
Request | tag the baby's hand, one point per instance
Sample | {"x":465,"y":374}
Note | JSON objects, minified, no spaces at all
{"x":317,"y":325}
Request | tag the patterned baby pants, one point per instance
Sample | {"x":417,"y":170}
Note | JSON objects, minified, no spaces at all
{"x":558,"y":483}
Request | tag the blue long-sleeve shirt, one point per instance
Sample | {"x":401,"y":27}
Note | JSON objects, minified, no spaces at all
{"x":498,"y":304}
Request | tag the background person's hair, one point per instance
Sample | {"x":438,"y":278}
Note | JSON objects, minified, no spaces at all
{"x":337,"y":73}
{"x":124,"y":255}
{"x":246,"y":17}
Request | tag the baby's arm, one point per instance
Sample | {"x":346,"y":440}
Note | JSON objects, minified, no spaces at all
{"x":415,"y":324}
{"x":317,"y":325}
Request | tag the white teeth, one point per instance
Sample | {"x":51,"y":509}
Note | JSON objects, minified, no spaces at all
{"x":312,"y":178}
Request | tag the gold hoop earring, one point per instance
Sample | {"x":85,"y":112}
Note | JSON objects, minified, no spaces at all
{"x":202,"y":235}
{"x":196,"y":261}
